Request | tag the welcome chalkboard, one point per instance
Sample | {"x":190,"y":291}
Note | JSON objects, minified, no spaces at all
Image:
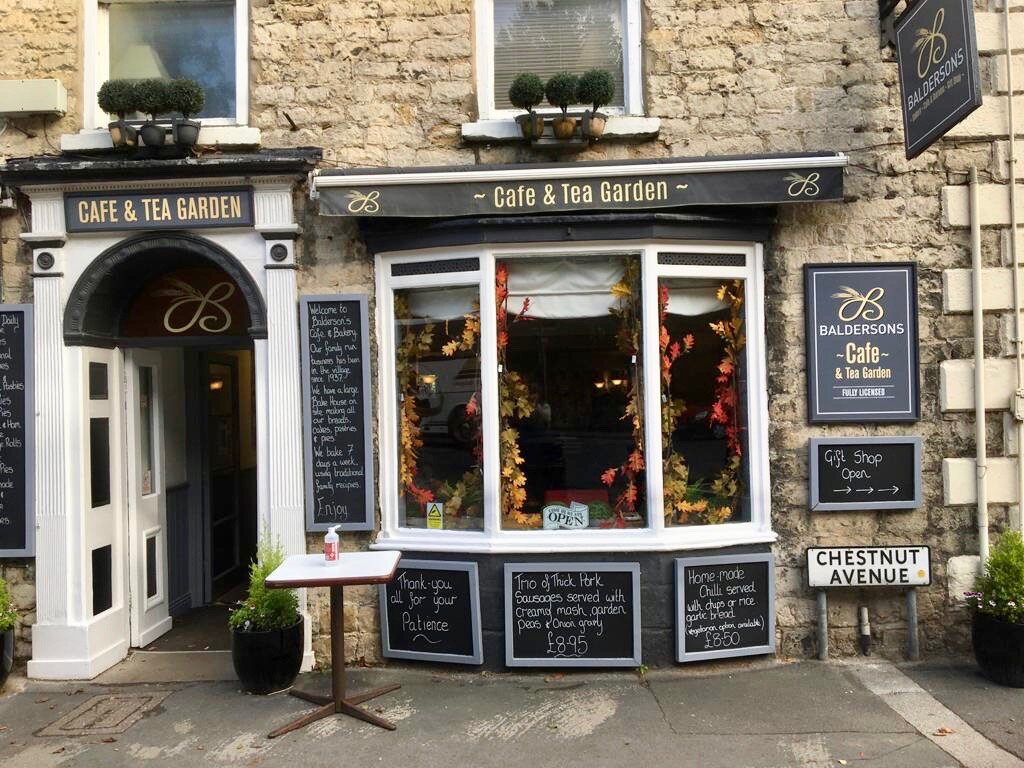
{"x":725,"y":606}
{"x":336,"y":412}
{"x":431,"y":611}
{"x":572,"y":614}
{"x":17,"y":419}
{"x":865,"y":473}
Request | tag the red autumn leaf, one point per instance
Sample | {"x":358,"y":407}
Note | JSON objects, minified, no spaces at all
{"x":718,"y":414}
{"x":472,"y":409}
{"x":502,"y":339}
{"x":663,"y":295}
{"x":421,"y":495}
{"x":726,"y":367}
{"x":688,"y":341}
{"x":674,"y":351}
{"x":636,"y":461}
{"x":630,"y":494}
{"x":608,"y":476}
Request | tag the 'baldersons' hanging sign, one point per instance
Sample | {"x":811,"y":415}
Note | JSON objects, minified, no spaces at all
{"x":938,"y":59}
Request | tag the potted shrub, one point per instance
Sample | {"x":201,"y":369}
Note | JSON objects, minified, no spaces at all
{"x":561,"y":93}
{"x":267,"y":630}
{"x":597,"y":88}
{"x":152,"y":98}
{"x":117,"y":97}
{"x":526,"y":92}
{"x":185,"y":96}
{"x":8,"y":621}
{"x":998,"y":624}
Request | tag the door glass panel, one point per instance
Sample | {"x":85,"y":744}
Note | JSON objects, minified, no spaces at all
{"x":146,"y":429}
{"x":97,"y":381}
{"x":102,"y":586}
{"x":151,"y":579}
{"x":99,"y":461}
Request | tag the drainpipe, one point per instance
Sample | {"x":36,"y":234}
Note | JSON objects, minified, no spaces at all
{"x":1017,"y":407}
{"x":981,"y":461}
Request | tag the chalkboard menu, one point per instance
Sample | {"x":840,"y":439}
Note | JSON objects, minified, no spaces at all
{"x":17,"y":419}
{"x":572,"y":614}
{"x":431,"y":611}
{"x":336,"y":412}
{"x":862,"y":357}
{"x":725,"y":606}
{"x":865,"y":473}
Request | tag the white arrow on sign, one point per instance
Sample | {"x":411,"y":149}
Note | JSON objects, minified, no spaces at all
{"x":845,"y":490}
{"x":894,"y":490}
{"x":865,"y":490}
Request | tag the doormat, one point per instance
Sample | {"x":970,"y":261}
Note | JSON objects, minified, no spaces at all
{"x":105,"y":715}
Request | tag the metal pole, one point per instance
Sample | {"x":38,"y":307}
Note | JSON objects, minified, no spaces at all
{"x":913,"y":642}
{"x":822,"y":625}
{"x":981,"y":450}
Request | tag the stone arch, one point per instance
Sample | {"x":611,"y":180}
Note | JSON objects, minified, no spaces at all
{"x":98,"y":299}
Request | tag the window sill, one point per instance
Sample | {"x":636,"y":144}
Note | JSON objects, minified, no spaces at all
{"x":619,"y":128}
{"x":556,"y":542}
{"x":209,"y":136}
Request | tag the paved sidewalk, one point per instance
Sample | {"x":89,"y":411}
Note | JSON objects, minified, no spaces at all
{"x":738,"y":715}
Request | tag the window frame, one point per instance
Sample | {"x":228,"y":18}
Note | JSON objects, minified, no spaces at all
{"x":96,"y":27}
{"x":655,"y":536}
{"x":483,"y":54}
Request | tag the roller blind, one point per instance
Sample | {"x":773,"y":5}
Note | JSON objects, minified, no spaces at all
{"x":549,"y":36}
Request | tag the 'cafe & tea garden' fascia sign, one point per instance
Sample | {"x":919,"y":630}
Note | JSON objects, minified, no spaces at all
{"x":862,"y":356}
{"x":937,"y":51}
{"x":158,"y":209}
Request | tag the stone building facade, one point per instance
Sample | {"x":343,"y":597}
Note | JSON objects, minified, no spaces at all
{"x":381,"y":84}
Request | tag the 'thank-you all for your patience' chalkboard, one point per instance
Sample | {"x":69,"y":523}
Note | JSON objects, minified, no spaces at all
{"x":336,"y":412}
{"x":572,"y":614}
{"x":431,"y":611}
{"x":17,"y":419}
{"x":725,"y":606}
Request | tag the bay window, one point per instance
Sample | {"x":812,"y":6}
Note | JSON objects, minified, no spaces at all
{"x":572,"y":398}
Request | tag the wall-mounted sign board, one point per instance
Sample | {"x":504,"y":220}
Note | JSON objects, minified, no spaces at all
{"x":725,"y":606}
{"x":431,"y":611}
{"x":17,"y":422}
{"x":862,"y":356}
{"x":937,"y":52}
{"x":572,"y":614}
{"x":865,"y":473}
{"x":337,"y":436}
{"x":869,"y":566}
{"x":158,"y":209}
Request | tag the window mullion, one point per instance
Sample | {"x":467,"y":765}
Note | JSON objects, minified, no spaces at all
{"x":489,"y":384}
{"x":652,"y":389}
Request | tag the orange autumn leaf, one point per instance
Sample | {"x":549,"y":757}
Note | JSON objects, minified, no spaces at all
{"x":608,"y":476}
{"x":636,"y":461}
{"x":472,"y":409}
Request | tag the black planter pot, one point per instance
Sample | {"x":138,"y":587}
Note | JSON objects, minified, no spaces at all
{"x":999,"y":649}
{"x":267,"y":661}
{"x":153,"y":134}
{"x":6,"y":655}
{"x":186,"y":132}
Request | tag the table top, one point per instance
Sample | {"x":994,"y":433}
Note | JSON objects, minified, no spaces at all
{"x":351,"y":568}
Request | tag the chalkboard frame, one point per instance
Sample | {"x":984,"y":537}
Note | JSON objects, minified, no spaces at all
{"x":29,"y":550}
{"x":833,"y":506}
{"x":307,"y":411}
{"x":682,"y":563}
{"x":477,"y":657}
{"x":511,"y":660}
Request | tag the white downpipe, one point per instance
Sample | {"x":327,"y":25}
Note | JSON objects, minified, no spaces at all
{"x":981,"y":460}
{"x":1015,"y":254}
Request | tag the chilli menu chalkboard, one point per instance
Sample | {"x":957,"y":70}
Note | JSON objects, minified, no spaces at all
{"x":17,"y":519}
{"x":431,"y":611}
{"x":572,"y":614}
{"x":336,"y":412}
{"x":725,"y":606}
{"x":865,"y":473}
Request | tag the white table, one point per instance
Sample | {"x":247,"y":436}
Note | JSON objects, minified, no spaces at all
{"x":313,"y":571}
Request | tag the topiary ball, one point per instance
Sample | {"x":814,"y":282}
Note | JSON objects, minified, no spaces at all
{"x":596,"y":87}
{"x":526,"y":91}
{"x":561,"y":90}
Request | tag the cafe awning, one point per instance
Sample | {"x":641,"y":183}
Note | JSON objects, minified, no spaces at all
{"x":527,"y":189}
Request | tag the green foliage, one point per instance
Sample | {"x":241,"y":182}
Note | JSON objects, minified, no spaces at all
{"x":265,"y":609}
{"x":117,"y":97}
{"x":185,"y":96}
{"x":8,"y":614}
{"x":1000,"y":591}
{"x":152,"y":97}
{"x":561,"y":90}
{"x":526,"y":91}
{"x":596,"y":87}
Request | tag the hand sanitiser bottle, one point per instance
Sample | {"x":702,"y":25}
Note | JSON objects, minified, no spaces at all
{"x":332,"y":545}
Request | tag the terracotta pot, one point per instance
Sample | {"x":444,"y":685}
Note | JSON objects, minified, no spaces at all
{"x":531,"y":125}
{"x":594,"y":124}
{"x":267,"y":661}
{"x":122,"y":134}
{"x":153,"y":134}
{"x":563,"y":127}
{"x":999,"y":649}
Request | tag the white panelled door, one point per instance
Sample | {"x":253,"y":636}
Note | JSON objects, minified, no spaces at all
{"x":147,"y":500}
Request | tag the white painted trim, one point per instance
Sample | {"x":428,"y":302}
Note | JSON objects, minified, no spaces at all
{"x":531,"y":173}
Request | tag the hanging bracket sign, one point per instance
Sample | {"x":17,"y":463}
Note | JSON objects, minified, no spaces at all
{"x":869,"y":567}
{"x":937,"y":51}
{"x":865,"y":473}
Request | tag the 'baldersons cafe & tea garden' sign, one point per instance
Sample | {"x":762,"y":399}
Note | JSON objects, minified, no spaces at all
{"x":142,"y":209}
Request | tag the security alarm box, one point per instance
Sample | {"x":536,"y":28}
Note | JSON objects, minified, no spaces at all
{"x":20,"y":98}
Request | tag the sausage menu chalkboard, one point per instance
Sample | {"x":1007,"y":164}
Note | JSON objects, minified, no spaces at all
{"x":725,"y":606}
{"x":17,"y":418}
{"x":572,"y":614}
{"x":431,"y":611}
{"x":336,"y":412}
{"x":865,"y":473}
